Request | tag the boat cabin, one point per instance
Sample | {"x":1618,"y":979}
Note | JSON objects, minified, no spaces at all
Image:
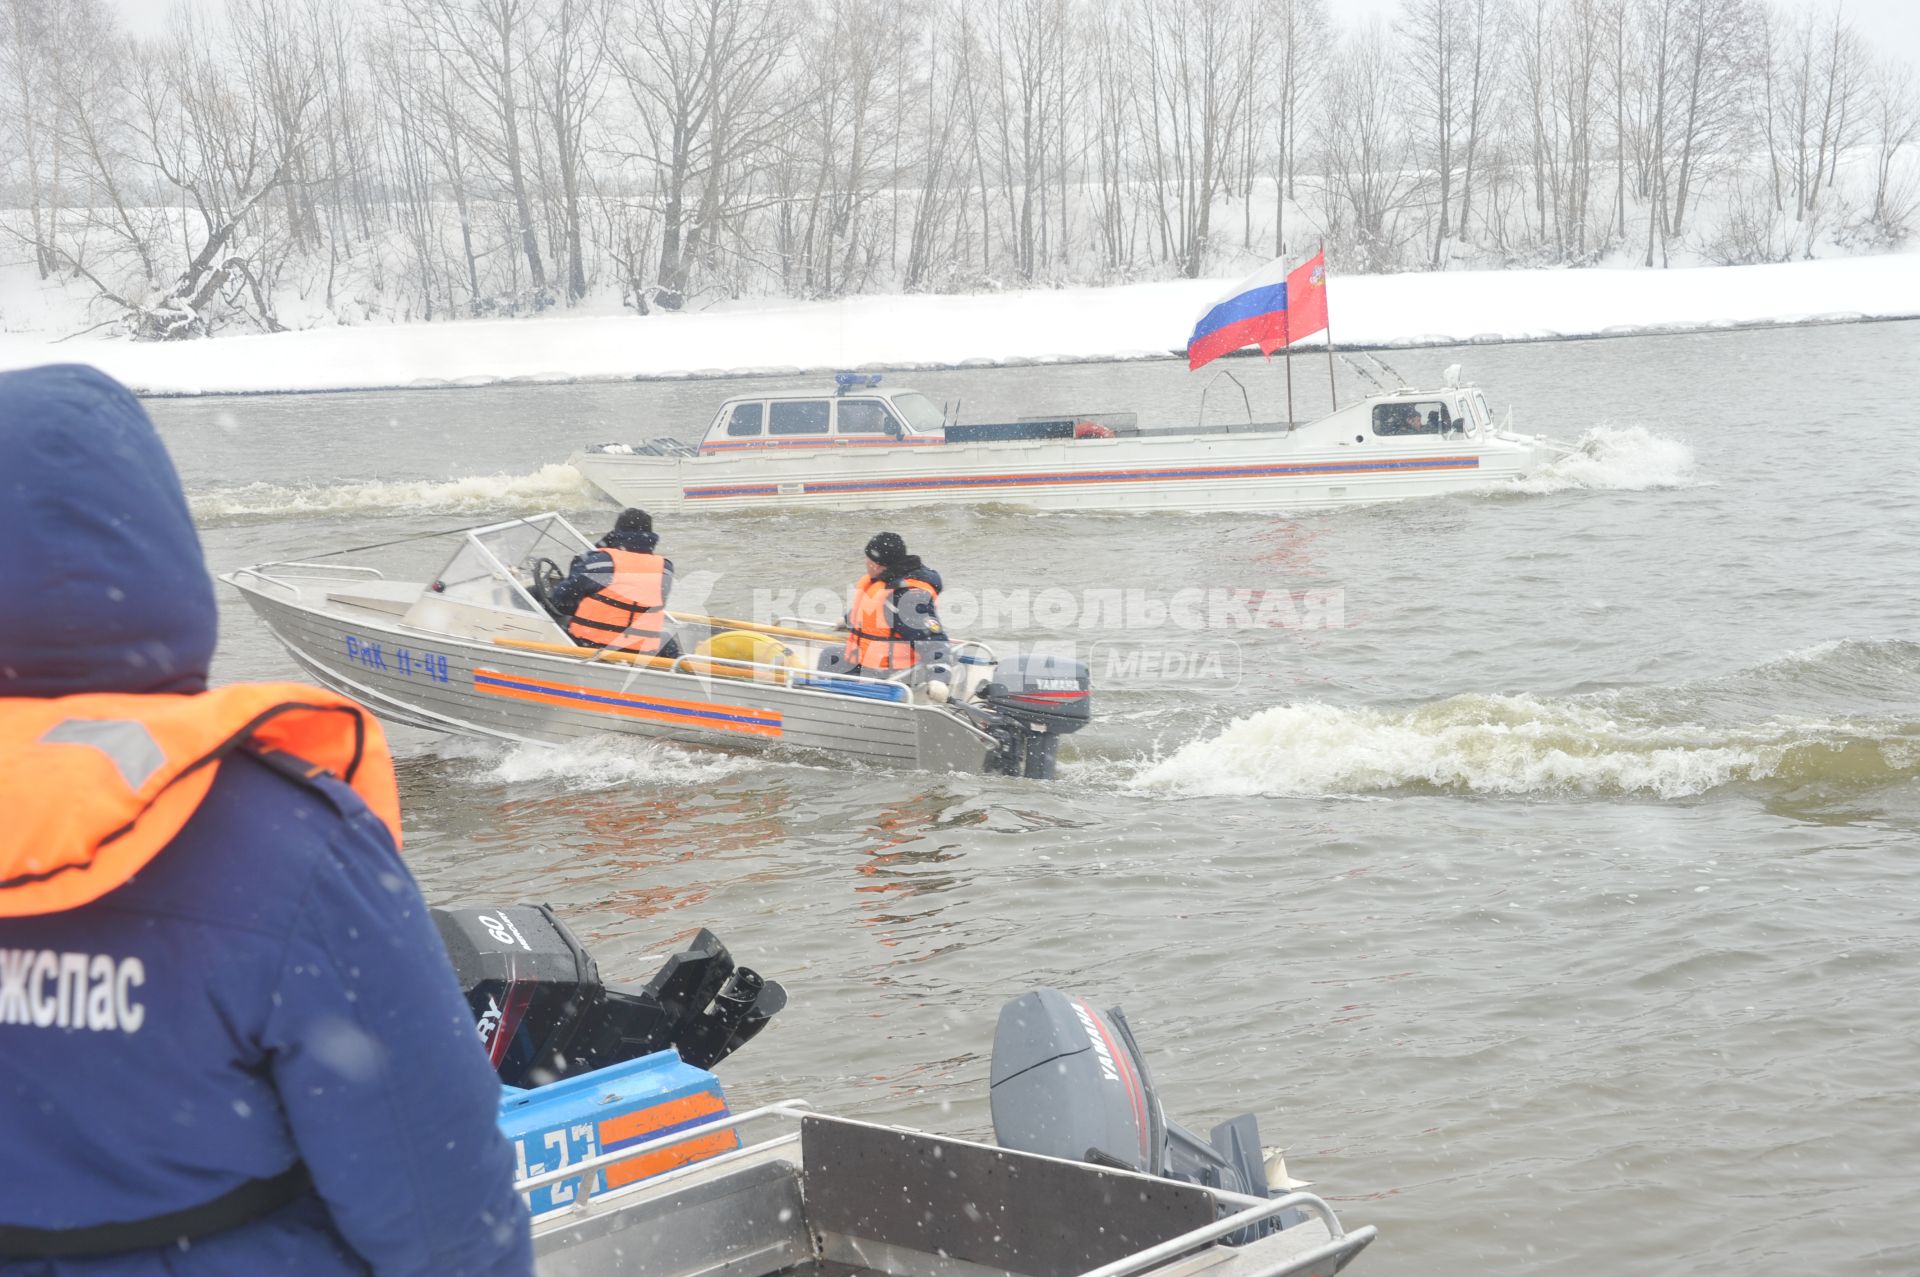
{"x":860,"y":414}
{"x":857,"y":413}
{"x":1412,"y":412}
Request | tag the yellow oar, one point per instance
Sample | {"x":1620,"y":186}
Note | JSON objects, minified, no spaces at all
{"x":779,"y":631}
{"x":706,"y":665}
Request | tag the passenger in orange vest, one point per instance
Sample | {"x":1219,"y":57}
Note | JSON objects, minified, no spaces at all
{"x":616,"y":594}
{"x":893,"y":624}
{"x":230,"y":1038}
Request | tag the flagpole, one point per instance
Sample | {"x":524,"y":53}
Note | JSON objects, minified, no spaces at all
{"x":1286,"y":331}
{"x":1332,"y":390}
{"x":1289,"y":358}
{"x":1280,"y":247}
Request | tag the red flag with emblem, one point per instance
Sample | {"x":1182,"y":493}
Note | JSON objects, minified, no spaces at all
{"x":1307,"y":297}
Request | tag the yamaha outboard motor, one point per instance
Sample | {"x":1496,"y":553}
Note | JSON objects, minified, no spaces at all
{"x":1032,"y":702}
{"x":1069,"y":1081}
{"x":543,"y":1013}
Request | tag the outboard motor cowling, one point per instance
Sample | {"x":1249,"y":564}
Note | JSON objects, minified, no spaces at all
{"x":543,"y":1012}
{"x":1031,"y":702}
{"x":1069,"y":1081}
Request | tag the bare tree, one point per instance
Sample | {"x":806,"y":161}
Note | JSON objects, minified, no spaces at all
{"x":940,"y":194}
{"x":1300,"y":32}
{"x":1715,"y":60}
{"x":1196,"y":88}
{"x":698,"y":74}
{"x":1025,"y":39}
{"x":1480,"y":52}
{"x":1893,"y":109}
{"x":65,"y":61}
{"x":24,"y":42}
{"x":224,"y":151}
{"x":569,"y":81}
{"x":1363,"y":141}
{"x":1661,"y":25}
{"x":484,"y":46}
{"x":1822,"y":71}
{"x":841,"y":167}
{"x":1115,"y":123}
{"x":1448,"y":52}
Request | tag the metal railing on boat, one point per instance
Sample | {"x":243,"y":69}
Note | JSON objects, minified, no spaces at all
{"x":586,"y":1168}
{"x":258,"y":572}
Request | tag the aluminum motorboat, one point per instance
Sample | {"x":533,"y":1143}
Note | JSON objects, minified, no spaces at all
{"x":476,"y":650}
{"x":633,"y":1165}
{"x":842,"y":1198}
{"x":866,"y":447}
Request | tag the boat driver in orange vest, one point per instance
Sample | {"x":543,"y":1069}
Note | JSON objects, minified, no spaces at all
{"x":230,"y":1038}
{"x":616,"y":593}
{"x":893,"y":624}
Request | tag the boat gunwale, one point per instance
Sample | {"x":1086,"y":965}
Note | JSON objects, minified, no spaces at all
{"x":786,"y":1147}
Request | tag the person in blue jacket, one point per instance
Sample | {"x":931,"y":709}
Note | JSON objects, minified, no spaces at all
{"x":248,"y":1053}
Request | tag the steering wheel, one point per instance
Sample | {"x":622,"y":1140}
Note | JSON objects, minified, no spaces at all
{"x":544,"y":574}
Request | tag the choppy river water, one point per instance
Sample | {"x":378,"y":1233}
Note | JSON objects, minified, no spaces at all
{"x":1543,"y":872}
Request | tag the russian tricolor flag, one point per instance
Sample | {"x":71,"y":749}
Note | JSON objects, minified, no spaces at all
{"x":1255,"y":312}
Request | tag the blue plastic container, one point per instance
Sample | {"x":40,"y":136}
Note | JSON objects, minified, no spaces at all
{"x":854,"y":687}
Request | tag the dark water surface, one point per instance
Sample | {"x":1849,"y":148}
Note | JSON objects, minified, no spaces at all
{"x":1550,"y":891}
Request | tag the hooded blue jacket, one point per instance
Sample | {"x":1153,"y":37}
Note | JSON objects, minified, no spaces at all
{"x":916,"y":615}
{"x":297,"y":1004}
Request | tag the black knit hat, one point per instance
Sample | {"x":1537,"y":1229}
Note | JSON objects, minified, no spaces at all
{"x":633,"y":520}
{"x":888,"y":549}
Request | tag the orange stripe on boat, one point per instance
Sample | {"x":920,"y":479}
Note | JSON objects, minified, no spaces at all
{"x":697,"y":1149}
{"x":618,"y":1130}
{"x":711,"y":716}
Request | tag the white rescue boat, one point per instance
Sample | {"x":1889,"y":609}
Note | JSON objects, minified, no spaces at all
{"x":865,"y":447}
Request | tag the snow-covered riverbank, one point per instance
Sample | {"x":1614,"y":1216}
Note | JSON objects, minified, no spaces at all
{"x":1130,"y":322}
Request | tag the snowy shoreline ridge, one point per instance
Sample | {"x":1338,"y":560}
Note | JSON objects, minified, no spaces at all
{"x":921,"y":331}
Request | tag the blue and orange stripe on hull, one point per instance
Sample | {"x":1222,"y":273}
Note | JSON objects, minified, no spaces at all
{"x":661,"y":1120}
{"x":1022,"y":479}
{"x":733,"y":719}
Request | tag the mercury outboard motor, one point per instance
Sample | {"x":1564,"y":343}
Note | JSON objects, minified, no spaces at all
{"x":1069,"y":1081}
{"x":544,"y":1014}
{"x":1031,"y":703}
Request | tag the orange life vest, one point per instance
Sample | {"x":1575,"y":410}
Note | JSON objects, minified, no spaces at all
{"x":629,"y":612}
{"x":95,"y":786}
{"x":873,"y":643}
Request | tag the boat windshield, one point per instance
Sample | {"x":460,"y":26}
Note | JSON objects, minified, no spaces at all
{"x":920,"y":412}
{"x":493,"y":564}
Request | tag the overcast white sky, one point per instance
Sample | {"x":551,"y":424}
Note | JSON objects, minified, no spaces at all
{"x":1891,"y":26}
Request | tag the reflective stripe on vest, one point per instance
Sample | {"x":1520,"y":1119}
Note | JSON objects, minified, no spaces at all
{"x":874,"y":643}
{"x":95,"y":786}
{"x":626,"y":613}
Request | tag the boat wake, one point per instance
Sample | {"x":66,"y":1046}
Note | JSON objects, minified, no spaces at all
{"x":1654,"y":742}
{"x":1614,"y":459}
{"x":554,"y":486}
{"x":595,"y":763}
